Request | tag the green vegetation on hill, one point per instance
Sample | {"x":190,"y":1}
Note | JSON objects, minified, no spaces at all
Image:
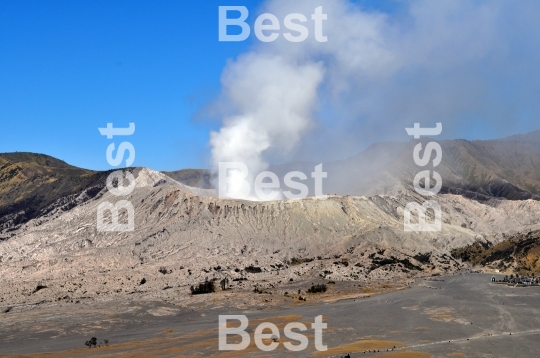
{"x":520,"y":253}
{"x":29,"y":183}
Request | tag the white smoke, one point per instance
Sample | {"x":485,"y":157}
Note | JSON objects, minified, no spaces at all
{"x":275,"y":98}
{"x":442,"y":61}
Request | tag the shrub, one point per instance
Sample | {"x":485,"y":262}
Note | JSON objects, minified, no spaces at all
{"x":203,"y":288}
{"x":378,"y":262}
{"x":297,"y":261}
{"x":253,"y":269}
{"x":317,"y":288}
{"x":91,"y":342}
{"x":423,"y":258}
{"x":164,"y":270}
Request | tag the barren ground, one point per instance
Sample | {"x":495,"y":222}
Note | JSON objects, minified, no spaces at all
{"x":461,"y":315}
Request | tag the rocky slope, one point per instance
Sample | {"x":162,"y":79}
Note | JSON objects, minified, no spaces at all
{"x":517,"y":254}
{"x":50,"y":248}
{"x":183,"y":236}
{"x":198,"y":178}
{"x":31,"y":185}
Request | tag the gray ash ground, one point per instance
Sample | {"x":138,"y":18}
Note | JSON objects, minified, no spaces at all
{"x":461,"y":315}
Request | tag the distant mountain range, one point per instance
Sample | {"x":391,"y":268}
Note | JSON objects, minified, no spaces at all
{"x":502,"y":168}
{"x":505,"y":168}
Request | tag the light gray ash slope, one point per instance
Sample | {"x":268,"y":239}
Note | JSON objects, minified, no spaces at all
{"x":192,"y":236}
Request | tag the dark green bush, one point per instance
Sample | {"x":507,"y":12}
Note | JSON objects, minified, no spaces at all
{"x":203,"y":288}
{"x":253,"y":269}
{"x":298,"y":261}
{"x":317,"y":288}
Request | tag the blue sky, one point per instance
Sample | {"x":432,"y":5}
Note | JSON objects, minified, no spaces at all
{"x":69,"y":67}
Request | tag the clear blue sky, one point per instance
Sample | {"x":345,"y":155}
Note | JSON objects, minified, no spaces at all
{"x":69,"y":67}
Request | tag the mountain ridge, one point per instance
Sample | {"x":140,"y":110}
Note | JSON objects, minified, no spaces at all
{"x":193,"y":237}
{"x":33,"y":184}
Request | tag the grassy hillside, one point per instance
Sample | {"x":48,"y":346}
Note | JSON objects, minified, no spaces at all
{"x":31,"y":182}
{"x":520,"y":254}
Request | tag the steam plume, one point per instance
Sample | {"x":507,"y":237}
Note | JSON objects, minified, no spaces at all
{"x":470,"y":65}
